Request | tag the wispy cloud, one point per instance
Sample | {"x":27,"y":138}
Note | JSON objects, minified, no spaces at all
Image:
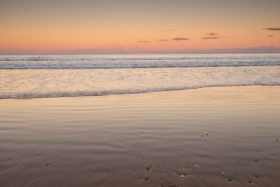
{"x":272,"y":28}
{"x":212,"y":34}
{"x":163,"y":40}
{"x":180,"y":39}
{"x":210,"y":38}
{"x":143,"y":41}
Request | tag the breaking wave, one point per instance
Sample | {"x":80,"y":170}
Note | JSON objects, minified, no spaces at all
{"x":135,"y":61}
{"x":30,"y":95}
{"x":98,"y":75}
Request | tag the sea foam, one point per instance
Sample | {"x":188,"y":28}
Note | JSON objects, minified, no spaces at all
{"x":135,"y":61}
{"x":44,"y":83}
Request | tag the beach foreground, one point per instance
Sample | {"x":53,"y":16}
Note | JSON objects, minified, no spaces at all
{"x":220,"y":136}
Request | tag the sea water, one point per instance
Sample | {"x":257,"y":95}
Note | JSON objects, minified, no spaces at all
{"x":40,"y":76}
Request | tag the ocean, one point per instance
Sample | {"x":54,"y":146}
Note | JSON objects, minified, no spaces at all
{"x":42,"y":76}
{"x":226,"y":133}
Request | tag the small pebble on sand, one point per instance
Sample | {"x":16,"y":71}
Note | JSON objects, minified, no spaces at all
{"x":183,"y":172}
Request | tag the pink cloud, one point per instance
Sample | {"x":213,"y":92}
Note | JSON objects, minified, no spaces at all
{"x":212,"y":34}
{"x":143,"y":41}
{"x":272,"y":28}
{"x":180,"y":39}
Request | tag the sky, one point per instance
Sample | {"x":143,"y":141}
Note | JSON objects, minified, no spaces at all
{"x":139,"y":26}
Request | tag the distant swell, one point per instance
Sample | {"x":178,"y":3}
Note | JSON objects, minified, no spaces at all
{"x":115,"y":92}
{"x":133,"y":58}
{"x":115,"y":65}
{"x":135,"y":61}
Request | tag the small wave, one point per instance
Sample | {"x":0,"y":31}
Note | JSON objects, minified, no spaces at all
{"x":134,"y":61}
{"x":132,"y":58}
{"x":125,"y":57}
{"x":132,"y":64}
{"x":116,"y":92}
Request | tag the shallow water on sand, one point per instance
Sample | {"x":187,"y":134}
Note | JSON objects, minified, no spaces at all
{"x":45,"y":83}
{"x":43,"y":76}
{"x":225,"y":136}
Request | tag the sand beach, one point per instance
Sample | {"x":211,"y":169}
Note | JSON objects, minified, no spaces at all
{"x":219,"y":136}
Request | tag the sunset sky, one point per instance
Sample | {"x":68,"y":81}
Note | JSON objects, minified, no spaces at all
{"x":139,"y":26}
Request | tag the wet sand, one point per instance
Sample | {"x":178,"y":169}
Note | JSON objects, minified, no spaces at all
{"x":224,"y":136}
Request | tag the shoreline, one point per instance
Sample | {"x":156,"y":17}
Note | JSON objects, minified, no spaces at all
{"x":121,"y":92}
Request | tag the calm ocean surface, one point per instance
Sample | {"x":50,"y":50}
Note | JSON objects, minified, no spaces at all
{"x":36,"y":76}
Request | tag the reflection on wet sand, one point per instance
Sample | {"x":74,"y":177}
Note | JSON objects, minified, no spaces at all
{"x":226,"y":136}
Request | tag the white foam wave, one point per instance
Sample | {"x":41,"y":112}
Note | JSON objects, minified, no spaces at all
{"x":112,"y":77}
{"x":135,"y":61}
{"x":29,"y":95}
{"x":135,"y":64}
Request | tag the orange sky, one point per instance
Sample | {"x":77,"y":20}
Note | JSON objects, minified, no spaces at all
{"x":119,"y":26}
